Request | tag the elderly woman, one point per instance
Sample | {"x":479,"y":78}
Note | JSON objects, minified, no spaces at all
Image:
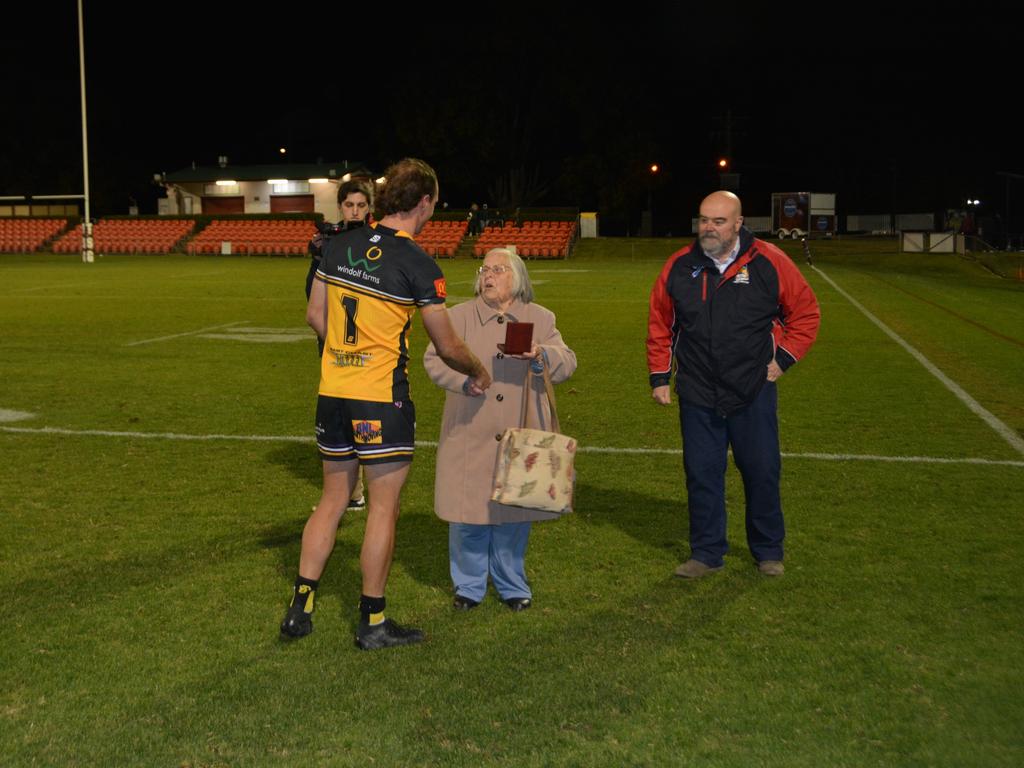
{"x":487,"y":538}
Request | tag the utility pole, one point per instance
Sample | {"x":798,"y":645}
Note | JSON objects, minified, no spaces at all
{"x":1006,"y":222}
{"x":87,"y":251}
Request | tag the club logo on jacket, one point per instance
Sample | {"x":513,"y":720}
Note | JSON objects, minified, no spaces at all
{"x":742,"y":277}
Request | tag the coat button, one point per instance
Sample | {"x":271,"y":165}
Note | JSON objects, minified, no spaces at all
{"x":501,"y":319}
{"x":499,"y":398}
{"x":500,"y":356}
{"x":498,"y":438}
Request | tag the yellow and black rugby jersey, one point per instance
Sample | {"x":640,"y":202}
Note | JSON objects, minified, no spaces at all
{"x":376,"y":277}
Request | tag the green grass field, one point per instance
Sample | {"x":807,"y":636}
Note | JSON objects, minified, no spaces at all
{"x":152,"y":507}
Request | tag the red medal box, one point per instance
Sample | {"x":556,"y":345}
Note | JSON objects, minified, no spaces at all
{"x":518,"y":338}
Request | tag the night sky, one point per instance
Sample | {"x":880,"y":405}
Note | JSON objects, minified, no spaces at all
{"x":909,"y":111}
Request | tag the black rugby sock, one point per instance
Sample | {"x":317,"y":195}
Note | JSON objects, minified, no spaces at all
{"x":371,"y":609}
{"x":305,"y":593}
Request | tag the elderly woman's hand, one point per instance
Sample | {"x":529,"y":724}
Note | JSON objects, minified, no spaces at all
{"x":533,"y":354}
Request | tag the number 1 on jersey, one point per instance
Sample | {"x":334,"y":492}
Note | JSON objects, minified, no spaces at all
{"x":351,"y":305}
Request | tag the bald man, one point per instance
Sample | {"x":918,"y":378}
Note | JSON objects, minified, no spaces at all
{"x":731,"y":314}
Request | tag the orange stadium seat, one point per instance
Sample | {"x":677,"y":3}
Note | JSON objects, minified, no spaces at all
{"x":28,"y":235}
{"x":286,"y":237}
{"x":128,"y":236}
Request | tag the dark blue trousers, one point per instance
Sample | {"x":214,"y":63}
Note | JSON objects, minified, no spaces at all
{"x":753,"y":433}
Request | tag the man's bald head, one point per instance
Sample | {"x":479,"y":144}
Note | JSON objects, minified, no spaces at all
{"x":723,"y":200}
{"x":721,"y":216}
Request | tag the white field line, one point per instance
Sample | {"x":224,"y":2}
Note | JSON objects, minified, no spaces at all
{"x":187,"y":333}
{"x":987,"y":416}
{"x":433,"y":444}
{"x":9,"y":415}
{"x":50,"y":286}
{"x":197,"y":274}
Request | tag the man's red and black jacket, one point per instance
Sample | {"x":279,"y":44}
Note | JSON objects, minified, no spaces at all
{"x":723,"y":330}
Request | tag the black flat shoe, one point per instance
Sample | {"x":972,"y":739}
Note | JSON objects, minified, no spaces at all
{"x":461,"y":603}
{"x":518,"y":603}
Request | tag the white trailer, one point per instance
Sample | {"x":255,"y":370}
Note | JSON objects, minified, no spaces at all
{"x":803,"y":214}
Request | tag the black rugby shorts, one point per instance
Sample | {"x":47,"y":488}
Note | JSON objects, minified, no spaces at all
{"x":374,"y":433}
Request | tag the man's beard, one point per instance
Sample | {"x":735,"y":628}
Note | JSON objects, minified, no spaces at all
{"x":712,"y":245}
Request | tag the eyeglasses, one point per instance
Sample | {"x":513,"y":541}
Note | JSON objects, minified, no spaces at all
{"x":498,"y":270}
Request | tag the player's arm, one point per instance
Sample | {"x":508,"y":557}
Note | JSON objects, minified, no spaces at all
{"x":441,"y":374}
{"x":450,"y":348}
{"x":316,"y":310}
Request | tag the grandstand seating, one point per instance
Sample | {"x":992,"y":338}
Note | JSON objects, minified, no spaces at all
{"x":534,"y":240}
{"x":442,"y":238}
{"x":287,"y":237}
{"x":291,"y":237}
{"x":27,"y":235}
{"x":128,"y":236}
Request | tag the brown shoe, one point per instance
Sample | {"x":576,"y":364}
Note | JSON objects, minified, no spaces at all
{"x":771,"y":568}
{"x":695,"y":569}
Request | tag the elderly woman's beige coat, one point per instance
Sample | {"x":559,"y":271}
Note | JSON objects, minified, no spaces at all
{"x":471,"y":426}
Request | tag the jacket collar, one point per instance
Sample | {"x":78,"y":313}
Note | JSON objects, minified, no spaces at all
{"x":487,"y":314}
{"x":697,"y":256}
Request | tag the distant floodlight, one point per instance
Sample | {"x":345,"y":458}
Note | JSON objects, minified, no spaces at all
{"x":723,"y":163}
{"x":283,"y":151}
{"x":317,"y":181}
{"x":226,"y":182}
{"x":654,"y":168}
{"x":346,"y":177}
{"x":380,"y":180}
{"x":277,"y":181}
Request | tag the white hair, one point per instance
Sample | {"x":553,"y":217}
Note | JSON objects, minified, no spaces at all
{"x":522,"y":288}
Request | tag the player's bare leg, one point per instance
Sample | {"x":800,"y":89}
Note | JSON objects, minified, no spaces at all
{"x":322,"y":527}
{"x":317,"y":544}
{"x":384,"y":483}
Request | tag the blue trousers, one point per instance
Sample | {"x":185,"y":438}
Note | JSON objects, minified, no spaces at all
{"x":753,"y":433}
{"x":474,"y":551}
